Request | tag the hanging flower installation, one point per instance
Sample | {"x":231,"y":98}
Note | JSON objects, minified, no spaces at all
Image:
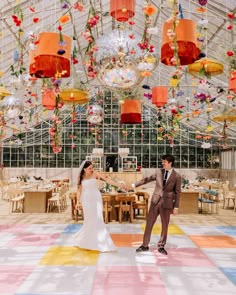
{"x":92,"y":22}
{"x":231,"y":53}
{"x":148,"y":60}
{"x":55,"y":130}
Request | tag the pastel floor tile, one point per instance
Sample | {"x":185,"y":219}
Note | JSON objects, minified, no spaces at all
{"x":201,"y":230}
{"x":57,"y":255}
{"x":72,"y":280}
{"x":126,"y":256}
{"x":214,"y":241}
{"x":13,"y":228}
{"x":195,"y":281}
{"x":127,"y":240}
{"x":179,"y":241}
{"x":6,"y":238}
{"x":46,"y":228}
{"x":21,"y":255}
{"x":128,"y":228}
{"x":66,"y":240}
{"x":228,"y":230}
{"x":72,"y":228}
{"x":11,"y":277}
{"x":33,"y":240}
{"x":183,"y":257}
{"x":173,"y":229}
{"x":230,"y":272}
{"x":222,"y":257}
{"x":128,"y":281}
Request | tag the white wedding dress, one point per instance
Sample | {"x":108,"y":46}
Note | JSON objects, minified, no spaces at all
{"x":93,"y":235}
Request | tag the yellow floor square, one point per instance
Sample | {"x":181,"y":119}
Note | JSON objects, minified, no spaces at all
{"x":173,"y":229}
{"x":59,"y":255}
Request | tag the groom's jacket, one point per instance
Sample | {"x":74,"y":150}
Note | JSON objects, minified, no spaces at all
{"x":170,"y":192}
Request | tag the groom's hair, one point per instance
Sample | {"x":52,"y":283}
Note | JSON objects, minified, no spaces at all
{"x":169,"y":158}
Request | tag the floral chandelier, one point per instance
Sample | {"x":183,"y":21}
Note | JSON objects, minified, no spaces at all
{"x":121,"y":62}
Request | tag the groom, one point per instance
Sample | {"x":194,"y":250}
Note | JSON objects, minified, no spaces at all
{"x":164,"y":202}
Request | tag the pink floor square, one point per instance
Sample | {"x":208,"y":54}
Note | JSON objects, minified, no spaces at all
{"x":128,"y":280}
{"x":33,"y":240}
{"x":183,"y":257}
{"x":13,"y":228}
{"x":11,"y":277}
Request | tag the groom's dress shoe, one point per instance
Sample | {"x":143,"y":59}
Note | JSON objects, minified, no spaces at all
{"x":162,"y":251}
{"x":142,"y":249}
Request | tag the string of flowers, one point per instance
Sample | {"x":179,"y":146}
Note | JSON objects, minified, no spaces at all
{"x":93,"y":20}
{"x":145,"y":45}
{"x":171,"y":33}
{"x":18,"y":67}
{"x":55,"y":130}
{"x":232,"y":52}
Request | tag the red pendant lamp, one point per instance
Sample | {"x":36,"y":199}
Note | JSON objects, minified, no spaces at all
{"x":131,"y":112}
{"x":159,"y":95}
{"x":51,"y":59}
{"x":122,"y":10}
{"x":232,"y":81}
{"x":48,"y":99}
{"x":188,"y":51}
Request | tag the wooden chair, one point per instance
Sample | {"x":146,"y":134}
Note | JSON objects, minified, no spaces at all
{"x":141,"y":204}
{"x":57,"y":200}
{"x":228,"y":195}
{"x":107,"y":208}
{"x":75,"y":213}
{"x":212,"y":201}
{"x":125,"y":205}
{"x":17,"y":203}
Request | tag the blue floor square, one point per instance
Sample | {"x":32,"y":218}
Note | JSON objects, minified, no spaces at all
{"x":72,"y":228}
{"x":228,"y":230}
{"x":230,"y":273}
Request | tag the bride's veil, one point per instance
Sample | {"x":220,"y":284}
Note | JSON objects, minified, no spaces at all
{"x":81,"y":167}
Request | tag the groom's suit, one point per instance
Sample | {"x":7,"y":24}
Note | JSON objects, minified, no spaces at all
{"x":164,"y":199}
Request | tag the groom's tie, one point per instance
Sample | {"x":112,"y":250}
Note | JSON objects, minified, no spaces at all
{"x":165,"y":177}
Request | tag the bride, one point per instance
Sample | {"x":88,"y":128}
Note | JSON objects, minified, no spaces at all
{"x":93,"y":235}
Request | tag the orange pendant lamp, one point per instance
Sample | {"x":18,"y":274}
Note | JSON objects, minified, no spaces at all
{"x":122,"y":10}
{"x":51,"y":59}
{"x":159,"y":95}
{"x":232,"y":81}
{"x":131,"y":112}
{"x":188,"y":51}
{"x":48,"y":99}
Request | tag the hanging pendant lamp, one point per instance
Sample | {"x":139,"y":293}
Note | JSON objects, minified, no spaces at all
{"x":122,"y":10}
{"x":186,"y":40}
{"x":73,"y":95}
{"x":159,"y":95}
{"x":206,"y":66}
{"x":131,"y":112}
{"x":51,"y":58}
{"x":48,"y":99}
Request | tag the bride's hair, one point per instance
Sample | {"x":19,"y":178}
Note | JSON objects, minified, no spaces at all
{"x":81,"y":175}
